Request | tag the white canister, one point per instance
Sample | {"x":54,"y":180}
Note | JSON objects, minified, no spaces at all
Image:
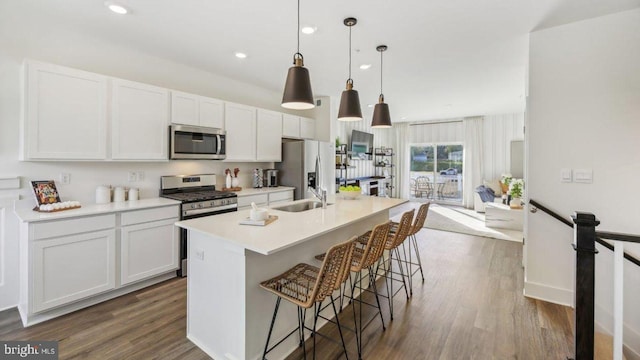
{"x":103,"y":194}
{"x":133,"y":194}
{"x":119,"y":194}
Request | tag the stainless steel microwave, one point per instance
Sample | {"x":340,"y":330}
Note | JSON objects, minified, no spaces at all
{"x":196,"y":143}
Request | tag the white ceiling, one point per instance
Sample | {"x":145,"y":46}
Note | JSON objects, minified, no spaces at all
{"x":446,"y":58}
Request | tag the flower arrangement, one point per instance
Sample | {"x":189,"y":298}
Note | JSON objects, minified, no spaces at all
{"x":516,"y":187}
{"x":505,"y":181}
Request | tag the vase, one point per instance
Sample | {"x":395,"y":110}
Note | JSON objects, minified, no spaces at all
{"x":235,"y":182}
{"x":515,"y":203}
{"x":228,"y":181}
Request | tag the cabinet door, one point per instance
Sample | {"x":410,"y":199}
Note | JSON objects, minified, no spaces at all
{"x":148,"y":249}
{"x":240,"y":124}
{"x":139,"y":121}
{"x":73,"y":267}
{"x":65,"y":114}
{"x":290,"y":126}
{"x":307,"y":128}
{"x":184,"y":108}
{"x":269,"y":136}
{"x":211,"y":112}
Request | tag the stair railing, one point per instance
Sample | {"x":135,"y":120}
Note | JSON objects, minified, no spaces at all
{"x":585,"y":238}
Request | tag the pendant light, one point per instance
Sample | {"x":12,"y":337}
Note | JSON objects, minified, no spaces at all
{"x":381,"y":117}
{"x":350,"y":101}
{"x":297,"y":89}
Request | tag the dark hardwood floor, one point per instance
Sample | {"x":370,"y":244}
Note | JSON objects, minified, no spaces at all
{"x":469,"y":307}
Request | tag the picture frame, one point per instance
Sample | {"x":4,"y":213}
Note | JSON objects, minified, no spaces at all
{"x":45,"y":192}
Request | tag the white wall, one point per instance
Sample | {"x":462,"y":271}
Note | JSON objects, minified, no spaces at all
{"x":21,"y":37}
{"x":381,"y":137}
{"x":499,"y":131}
{"x":584,"y":111}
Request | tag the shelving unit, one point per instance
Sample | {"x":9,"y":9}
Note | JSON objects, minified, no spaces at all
{"x":342,"y":167}
{"x":383,"y":160}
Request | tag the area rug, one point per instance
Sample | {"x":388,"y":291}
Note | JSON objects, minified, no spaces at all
{"x":464,"y":221}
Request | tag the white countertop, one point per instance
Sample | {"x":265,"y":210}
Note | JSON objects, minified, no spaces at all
{"x":28,"y":215}
{"x":263,"y":190}
{"x":291,"y":227}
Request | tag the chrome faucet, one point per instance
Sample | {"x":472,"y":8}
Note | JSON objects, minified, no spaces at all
{"x":319,"y":192}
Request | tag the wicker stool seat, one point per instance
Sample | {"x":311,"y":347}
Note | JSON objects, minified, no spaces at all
{"x":307,"y":286}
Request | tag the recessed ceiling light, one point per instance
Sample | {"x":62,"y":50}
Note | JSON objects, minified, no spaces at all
{"x":365,"y":66}
{"x":240,"y":55}
{"x":370,"y":105}
{"x":116,"y":8}
{"x":308,"y":30}
{"x":403,"y":118}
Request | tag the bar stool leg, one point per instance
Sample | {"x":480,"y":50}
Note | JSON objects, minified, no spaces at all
{"x":316,"y":313}
{"x":389,"y":282}
{"x":415,"y":246}
{"x":408,"y":265}
{"x":344,"y":346}
{"x":372,"y":280}
{"x":273,"y":320}
{"x":404,"y":283}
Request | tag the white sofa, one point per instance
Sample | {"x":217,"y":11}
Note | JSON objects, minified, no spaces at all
{"x":478,"y":205}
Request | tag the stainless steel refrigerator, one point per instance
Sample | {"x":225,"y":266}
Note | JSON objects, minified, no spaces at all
{"x":298,"y":166}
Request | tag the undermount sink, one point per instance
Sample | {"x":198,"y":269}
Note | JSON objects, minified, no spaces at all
{"x":301,"y":206}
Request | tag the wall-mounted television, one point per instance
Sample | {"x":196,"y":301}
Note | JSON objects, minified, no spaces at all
{"x":361,"y":144}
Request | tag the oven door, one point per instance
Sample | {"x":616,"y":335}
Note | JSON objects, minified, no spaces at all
{"x":196,"y":142}
{"x":184,"y":250}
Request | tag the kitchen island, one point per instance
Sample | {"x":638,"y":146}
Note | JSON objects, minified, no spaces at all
{"x":228,"y":314}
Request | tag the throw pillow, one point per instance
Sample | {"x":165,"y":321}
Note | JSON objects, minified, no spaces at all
{"x":494,"y":185}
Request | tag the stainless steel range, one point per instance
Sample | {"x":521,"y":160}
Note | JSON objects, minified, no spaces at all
{"x":199,"y":198}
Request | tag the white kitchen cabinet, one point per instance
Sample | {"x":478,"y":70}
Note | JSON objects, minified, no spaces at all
{"x":244,"y":202}
{"x":280,"y":197}
{"x":240,"y":124}
{"x":196,"y":110}
{"x":148,"y":249}
{"x":139,"y":121}
{"x":290,"y":126}
{"x":65,"y":114}
{"x":269,"y":136}
{"x":307,"y":128}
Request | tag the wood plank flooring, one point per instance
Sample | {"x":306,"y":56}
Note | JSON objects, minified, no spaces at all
{"x":469,"y":307}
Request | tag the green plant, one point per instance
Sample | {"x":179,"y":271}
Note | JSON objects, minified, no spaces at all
{"x":337,"y":141}
{"x":506,"y":179}
{"x":516,"y":187}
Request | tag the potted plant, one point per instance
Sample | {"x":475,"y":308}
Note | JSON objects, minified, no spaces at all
{"x":504,"y":182}
{"x":516,"y":186}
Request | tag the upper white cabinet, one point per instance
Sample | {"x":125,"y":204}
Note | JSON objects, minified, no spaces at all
{"x":307,"y":128}
{"x":297,"y":127}
{"x":269,"y":136}
{"x":139,"y":121}
{"x":290,"y":126}
{"x":190,"y":109}
{"x":240,"y":123}
{"x":65,"y":113}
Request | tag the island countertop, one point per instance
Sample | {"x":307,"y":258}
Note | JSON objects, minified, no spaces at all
{"x":291,"y":228}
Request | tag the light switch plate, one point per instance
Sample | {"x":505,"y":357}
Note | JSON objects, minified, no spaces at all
{"x":132,"y":176}
{"x":65,"y":178}
{"x":566,"y":175}
{"x":584,"y":176}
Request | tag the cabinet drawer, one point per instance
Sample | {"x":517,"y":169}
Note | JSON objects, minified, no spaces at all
{"x":142,"y":216}
{"x":259,"y":199}
{"x":73,"y":226}
{"x":281,"y":196}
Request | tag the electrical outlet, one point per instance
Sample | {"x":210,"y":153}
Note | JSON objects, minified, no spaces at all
{"x":65,"y":178}
{"x":132,"y":176}
{"x":140,"y":175}
{"x":199,"y":254}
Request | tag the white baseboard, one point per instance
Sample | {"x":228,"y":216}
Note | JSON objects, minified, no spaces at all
{"x":548,"y":293}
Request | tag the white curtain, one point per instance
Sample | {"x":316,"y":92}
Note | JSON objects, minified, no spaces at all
{"x":472,"y":168}
{"x":401,"y":131}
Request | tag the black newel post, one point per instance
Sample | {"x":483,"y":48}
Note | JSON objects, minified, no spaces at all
{"x":585,"y":246}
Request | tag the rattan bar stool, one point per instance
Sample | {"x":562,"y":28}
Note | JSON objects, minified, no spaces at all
{"x":365,"y":256}
{"x":394,"y":240}
{"x":305,"y":285}
{"x":418,"y":223}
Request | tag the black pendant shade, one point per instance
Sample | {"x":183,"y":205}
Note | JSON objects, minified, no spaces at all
{"x":350,"y":105}
{"x":381,"y":117}
{"x":297,"y":89}
{"x":350,"y":100}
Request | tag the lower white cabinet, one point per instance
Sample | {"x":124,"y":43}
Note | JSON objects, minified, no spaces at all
{"x":70,"y":268}
{"x":265,"y":199}
{"x":148,"y":249}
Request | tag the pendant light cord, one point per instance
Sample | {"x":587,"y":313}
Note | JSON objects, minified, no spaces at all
{"x":380,"y":72}
{"x":298,"y":29}
{"x":350,"y":53}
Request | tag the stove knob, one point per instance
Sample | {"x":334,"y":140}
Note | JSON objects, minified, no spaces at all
{"x":200,"y":205}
